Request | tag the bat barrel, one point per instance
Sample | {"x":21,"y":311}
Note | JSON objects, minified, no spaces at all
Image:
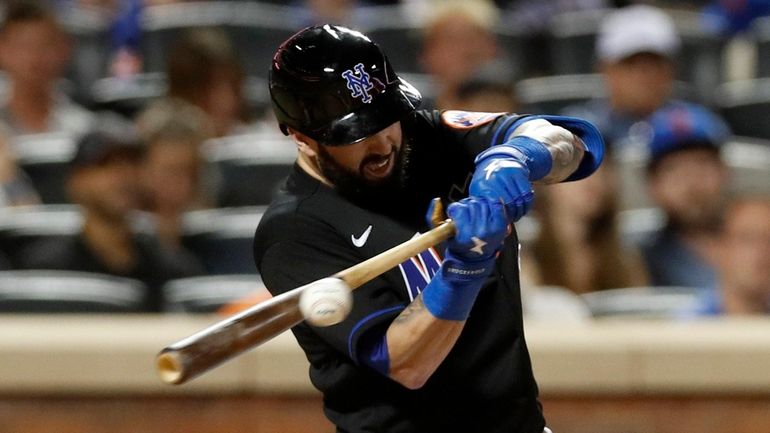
{"x":188,"y":358}
{"x":205,"y":350}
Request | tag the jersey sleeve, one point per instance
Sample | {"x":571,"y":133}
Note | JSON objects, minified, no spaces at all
{"x":291,"y":264}
{"x":472,"y":131}
{"x":475,"y":132}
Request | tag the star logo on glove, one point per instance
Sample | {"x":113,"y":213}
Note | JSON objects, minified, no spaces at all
{"x":479,"y":245}
{"x":498,"y":164}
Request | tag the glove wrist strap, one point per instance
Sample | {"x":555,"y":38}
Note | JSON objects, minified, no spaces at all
{"x":451,"y":293}
{"x":531,"y":153}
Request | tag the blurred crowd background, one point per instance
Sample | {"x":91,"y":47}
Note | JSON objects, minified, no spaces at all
{"x":138,"y":150}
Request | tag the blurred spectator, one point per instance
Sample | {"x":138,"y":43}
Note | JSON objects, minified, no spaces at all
{"x":744,"y":261}
{"x":203,"y":70}
{"x":125,"y":39}
{"x":579,"y":244}
{"x":729,"y":17}
{"x":490,"y":89}
{"x":173,"y":165}
{"x":457,"y":40}
{"x":688,"y":180}
{"x":34,"y":51}
{"x":344,"y":12}
{"x":533,"y":19}
{"x":15,"y":187}
{"x":104,"y":181}
{"x":636,"y":49}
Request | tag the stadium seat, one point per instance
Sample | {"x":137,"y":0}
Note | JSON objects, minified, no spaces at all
{"x":749,"y":160}
{"x":35,"y":291}
{"x":23,"y":226}
{"x":632,"y":173}
{"x":222,"y":238}
{"x":574,"y":41}
{"x":211,"y":293}
{"x":745,"y":104}
{"x":552,"y":94}
{"x":760,"y":30}
{"x":255,"y":30}
{"x":699,"y":62}
{"x":251,"y":167}
{"x":553,"y":303}
{"x":400,"y":40}
{"x":88,"y":28}
{"x":128,"y":96}
{"x":45,"y":158}
{"x":648,"y":302}
{"x":638,"y":225}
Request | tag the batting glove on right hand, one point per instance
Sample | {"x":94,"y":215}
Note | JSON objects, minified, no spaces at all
{"x":481,"y":226}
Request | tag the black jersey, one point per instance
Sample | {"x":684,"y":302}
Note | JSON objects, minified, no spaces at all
{"x":485,"y":384}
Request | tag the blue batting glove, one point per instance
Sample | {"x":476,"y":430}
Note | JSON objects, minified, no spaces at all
{"x":481,"y":226}
{"x":505,"y":179}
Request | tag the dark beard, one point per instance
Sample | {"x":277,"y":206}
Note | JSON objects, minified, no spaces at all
{"x":380,"y":195}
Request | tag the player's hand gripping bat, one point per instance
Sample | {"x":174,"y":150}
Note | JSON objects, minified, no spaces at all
{"x":194,"y":355}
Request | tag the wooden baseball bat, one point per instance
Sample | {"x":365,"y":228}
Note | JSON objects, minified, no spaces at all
{"x":194,"y":355}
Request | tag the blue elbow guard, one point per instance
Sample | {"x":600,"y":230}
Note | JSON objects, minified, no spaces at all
{"x":451,"y":293}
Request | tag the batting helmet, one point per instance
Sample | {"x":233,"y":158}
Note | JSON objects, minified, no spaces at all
{"x":336,"y":86}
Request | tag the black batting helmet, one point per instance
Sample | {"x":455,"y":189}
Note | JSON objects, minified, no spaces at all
{"x":336,"y":86}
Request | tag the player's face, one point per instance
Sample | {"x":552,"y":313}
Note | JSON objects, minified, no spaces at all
{"x":370,"y":173}
{"x":372,"y":160}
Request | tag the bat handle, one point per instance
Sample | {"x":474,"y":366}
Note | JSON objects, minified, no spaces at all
{"x":359,"y":274}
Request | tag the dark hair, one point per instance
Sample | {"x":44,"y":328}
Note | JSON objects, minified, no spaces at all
{"x":24,"y":11}
{"x":194,"y":59}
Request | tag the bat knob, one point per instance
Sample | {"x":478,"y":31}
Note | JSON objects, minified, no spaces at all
{"x":169,"y":368}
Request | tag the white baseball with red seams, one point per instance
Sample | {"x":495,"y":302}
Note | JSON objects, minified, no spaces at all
{"x":326,"y":302}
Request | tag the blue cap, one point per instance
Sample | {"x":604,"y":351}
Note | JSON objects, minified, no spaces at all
{"x":682,"y":125}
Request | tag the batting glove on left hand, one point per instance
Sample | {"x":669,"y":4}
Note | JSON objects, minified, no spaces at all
{"x":504,"y":178}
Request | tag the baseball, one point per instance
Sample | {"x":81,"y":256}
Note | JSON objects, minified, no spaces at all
{"x":326,"y":302}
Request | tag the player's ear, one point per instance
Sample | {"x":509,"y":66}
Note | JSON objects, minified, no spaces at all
{"x":305,"y":144}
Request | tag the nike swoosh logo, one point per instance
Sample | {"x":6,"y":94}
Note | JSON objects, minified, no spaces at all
{"x":361,"y":240}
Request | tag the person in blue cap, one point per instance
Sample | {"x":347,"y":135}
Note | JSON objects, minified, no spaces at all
{"x":688,"y":180}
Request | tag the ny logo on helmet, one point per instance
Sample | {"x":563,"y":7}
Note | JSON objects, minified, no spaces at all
{"x":359,"y":83}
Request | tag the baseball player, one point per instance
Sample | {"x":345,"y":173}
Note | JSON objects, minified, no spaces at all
{"x":436,"y":344}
